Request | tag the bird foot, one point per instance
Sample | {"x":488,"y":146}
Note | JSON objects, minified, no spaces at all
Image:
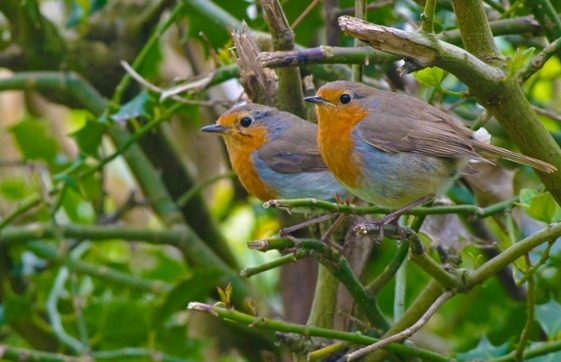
{"x":380,"y":226}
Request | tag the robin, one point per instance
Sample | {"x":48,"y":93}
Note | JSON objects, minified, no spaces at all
{"x":395,"y":150}
{"x":275,"y":154}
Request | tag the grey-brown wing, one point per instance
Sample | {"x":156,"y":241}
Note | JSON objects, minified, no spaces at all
{"x":415,"y":127}
{"x":295,"y":151}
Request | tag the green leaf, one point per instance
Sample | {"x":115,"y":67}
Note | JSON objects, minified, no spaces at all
{"x":484,"y":350}
{"x":431,"y":77}
{"x":17,"y":308}
{"x":152,"y":262}
{"x":137,"y":107}
{"x":14,"y":188}
{"x":194,"y":288}
{"x":526,"y":196}
{"x":518,"y":61}
{"x":89,"y":137}
{"x":78,"y":210}
{"x":126,"y":323}
{"x":34,"y":139}
{"x":549,"y":317}
{"x":541,"y":207}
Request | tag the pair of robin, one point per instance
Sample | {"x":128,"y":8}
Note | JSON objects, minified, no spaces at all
{"x":389,"y":149}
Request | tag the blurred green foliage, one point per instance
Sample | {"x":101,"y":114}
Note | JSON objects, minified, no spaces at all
{"x":484,"y":323}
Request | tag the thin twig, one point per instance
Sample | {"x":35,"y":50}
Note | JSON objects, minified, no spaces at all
{"x":495,"y":6}
{"x":545,"y":112}
{"x":373,"y":6}
{"x":290,"y":258}
{"x":530,"y":305}
{"x":159,"y":90}
{"x":406,"y":333}
{"x":154,"y":38}
{"x":539,"y":60}
{"x":530,"y":272}
{"x":304,"y":14}
{"x":399,"y":292}
{"x":54,"y":316}
{"x":187,"y":196}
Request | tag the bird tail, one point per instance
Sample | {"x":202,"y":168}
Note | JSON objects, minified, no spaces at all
{"x":488,"y":150}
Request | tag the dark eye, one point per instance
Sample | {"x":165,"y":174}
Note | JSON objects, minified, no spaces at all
{"x":246,"y":122}
{"x":345,"y":98}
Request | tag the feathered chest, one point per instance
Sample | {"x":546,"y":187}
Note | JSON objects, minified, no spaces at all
{"x":337,"y":146}
{"x":242,"y":163}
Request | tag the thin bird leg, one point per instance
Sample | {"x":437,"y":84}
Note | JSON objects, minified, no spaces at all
{"x":327,"y":236}
{"x":287,"y":230}
{"x":393,"y":218}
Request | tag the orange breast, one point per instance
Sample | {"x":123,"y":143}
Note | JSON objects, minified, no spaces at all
{"x":240,"y":157}
{"x":336,"y":143}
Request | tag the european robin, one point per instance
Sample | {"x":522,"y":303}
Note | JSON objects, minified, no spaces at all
{"x":275,"y":154}
{"x":395,"y":150}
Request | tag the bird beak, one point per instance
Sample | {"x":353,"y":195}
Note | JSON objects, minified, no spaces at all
{"x":214,"y":128}
{"x":317,"y":100}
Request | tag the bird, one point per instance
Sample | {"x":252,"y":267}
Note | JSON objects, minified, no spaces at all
{"x":394,"y":150}
{"x":275,"y":154}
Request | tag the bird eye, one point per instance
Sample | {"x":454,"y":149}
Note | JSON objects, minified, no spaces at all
{"x":345,"y":98}
{"x":246,"y":122}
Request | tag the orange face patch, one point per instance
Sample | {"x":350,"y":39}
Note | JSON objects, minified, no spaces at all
{"x":241,"y":143}
{"x":336,"y":122}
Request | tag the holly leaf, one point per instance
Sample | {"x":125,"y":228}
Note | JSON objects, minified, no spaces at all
{"x":483,"y":351}
{"x":89,"y":137}
{"x":35,"y":140}
{"x":549,"y":317}
{"x":540,"y":206}
{"x":137,"y":107}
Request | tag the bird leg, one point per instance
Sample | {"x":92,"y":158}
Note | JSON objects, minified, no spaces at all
{"x":327,"y":236}
{"x":391,"y":219}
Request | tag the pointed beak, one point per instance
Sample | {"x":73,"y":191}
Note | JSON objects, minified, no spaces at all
{"x":216,"y":128}
{"x":317,"y":100}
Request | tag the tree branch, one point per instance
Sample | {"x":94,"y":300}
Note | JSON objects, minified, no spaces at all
{"x":514,"y":252}
{"x":290,"y":96}
{"x":310,"y":331}
{"x":307,"y":205}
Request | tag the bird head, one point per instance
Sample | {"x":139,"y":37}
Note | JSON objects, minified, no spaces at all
{"x":249,"y":126}
{"x":342,"y":101}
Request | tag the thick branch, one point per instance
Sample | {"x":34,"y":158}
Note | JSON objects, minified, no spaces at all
{"x":475,"y":30}
{"x":545,"y":14}
{"x":290,"y":96}
{"x":104,"y":272}
{"x":340,"y":55}
{"x":422,"y":50}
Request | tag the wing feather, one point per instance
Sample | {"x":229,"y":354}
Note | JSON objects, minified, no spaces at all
{"x":405,"y":124}
{"x":294,"y":151}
